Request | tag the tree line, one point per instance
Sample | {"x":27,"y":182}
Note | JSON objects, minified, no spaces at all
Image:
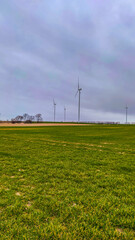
{"x":27,"y":118}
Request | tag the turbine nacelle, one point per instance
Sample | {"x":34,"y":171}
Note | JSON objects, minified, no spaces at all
{"x":54,"y":103}
{"x":79,"y":89}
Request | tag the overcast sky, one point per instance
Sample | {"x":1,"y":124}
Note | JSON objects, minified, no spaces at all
{"x":46,"y":45}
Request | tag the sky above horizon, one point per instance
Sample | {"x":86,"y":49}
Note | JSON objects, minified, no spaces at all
{"x":46,"y":45}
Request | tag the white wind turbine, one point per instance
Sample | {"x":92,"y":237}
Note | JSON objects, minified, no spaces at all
{"x":54,"y":104}
{"x":79,"y":103}
{"x":65,"y":114}
{"x":126,"y":113}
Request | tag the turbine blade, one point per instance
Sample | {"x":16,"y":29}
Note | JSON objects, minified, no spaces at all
{"x":76,"y":93}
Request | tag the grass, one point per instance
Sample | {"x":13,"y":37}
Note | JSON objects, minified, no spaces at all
{"x":75,"y":182}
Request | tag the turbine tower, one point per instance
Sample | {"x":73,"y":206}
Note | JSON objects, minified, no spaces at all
{"x":54,"y":104}
{"x":64,"y":114}
{"x":126,"y":113}
{"x":79,"y":103}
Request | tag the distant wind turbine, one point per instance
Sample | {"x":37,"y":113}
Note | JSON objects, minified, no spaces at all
{"x":79,"y":94}
{"x":126,"y":113}
{"x":54,"y":104}
{"x":64,"y":114}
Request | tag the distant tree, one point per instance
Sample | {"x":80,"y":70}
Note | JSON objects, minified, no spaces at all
{"x":18,"y":118}
{"x":12,"y":120}
{"x":38,"y":117}
{"x":21,"y":118}
{"x":31,"y":118}
{"x":25,"y":116}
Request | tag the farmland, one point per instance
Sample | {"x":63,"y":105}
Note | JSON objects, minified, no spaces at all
{"x":67,"y":182}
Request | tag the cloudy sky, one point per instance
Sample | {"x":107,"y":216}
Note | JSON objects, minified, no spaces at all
{"x":46,"y":45}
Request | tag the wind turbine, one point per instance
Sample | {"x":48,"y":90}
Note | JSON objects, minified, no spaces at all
{"x":64,"y":114}
{"x":54,"y":104}
{"x":126,"y":113}
{"x":79,"y":94}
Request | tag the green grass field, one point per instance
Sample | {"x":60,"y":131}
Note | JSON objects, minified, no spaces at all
{"x":75,"y":182}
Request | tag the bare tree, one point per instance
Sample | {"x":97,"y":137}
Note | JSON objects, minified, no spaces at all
{"x":31,"y":118}
{"x":25,"y":116}
{"x":21,"y":118}
{"x":18,"y":118}
{"x":38,"y":117}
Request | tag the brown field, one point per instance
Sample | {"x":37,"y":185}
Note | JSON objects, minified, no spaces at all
{"x":5,"y":124}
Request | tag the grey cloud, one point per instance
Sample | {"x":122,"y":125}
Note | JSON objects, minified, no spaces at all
{"x":45,"y":45}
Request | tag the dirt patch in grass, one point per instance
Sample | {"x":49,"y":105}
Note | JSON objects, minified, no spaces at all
{"x":120,"y":230}
{"x":18,"y":194}
{"x":107,"y":143}
{"x":28,"y":204}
